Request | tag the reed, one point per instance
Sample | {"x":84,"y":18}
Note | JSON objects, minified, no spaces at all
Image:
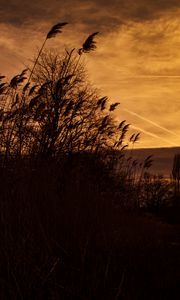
{"x":72,"y":222}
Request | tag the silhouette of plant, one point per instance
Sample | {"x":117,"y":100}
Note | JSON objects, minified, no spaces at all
{"x":89,"y":44}
{"x":51,"y":34}
{"x":155,"y":192}
{"x":64,"y":182}
{"x":55,"y":110}
{"x":176,"y":175}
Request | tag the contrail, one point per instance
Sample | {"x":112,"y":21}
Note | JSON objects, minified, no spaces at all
{"x":153,"y":135}
{"x":151,"y":122}
{"x":154,"y":76}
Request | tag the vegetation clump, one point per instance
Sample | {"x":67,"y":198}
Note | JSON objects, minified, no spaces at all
{"x":71,"y":222}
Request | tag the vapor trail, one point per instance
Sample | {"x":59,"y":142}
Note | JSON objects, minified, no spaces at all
{"x":151,"y":122}
{"x":153,"y":135}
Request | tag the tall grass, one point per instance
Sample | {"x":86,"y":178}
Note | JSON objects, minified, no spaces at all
{"x":57,"y":111}
{"x":66,"y":185}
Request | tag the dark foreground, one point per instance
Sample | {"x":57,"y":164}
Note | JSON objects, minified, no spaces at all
{"x":63,"y":238}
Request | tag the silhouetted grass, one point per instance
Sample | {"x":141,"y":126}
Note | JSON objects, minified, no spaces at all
{"x":63,"y":235}
{"x":76,"y":216}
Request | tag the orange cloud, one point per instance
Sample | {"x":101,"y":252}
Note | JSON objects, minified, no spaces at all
{"x":137,"y":61}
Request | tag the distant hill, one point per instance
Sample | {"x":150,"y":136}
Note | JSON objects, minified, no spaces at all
{"x":162,"y":159}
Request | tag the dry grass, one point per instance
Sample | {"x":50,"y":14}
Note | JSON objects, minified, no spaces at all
{"x":63,"y":237}
{"x":71,"y":226}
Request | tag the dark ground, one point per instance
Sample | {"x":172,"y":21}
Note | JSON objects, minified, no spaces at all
{"x":70,"y":241}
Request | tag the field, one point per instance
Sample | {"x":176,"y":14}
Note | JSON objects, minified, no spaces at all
{"x":65,"y":235}
{"x":80,"y":217}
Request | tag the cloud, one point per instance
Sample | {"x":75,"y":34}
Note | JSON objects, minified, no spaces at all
{"x":137,"y":61}
{"x":95,"y":12}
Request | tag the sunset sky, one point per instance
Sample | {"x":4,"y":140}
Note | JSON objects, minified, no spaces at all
{"x":137,"y":61}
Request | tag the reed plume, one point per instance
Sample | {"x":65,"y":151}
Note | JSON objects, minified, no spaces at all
{"x":102,"y":102}
{"x":55,"y":30}
{"x":89,"y":44}
{"x":113,"y":106}
{"x":52,"y":33}
{"x":121,"y":124}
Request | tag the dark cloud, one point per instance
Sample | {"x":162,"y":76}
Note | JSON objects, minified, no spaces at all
{"x":142,"y":10}
{"x":101,"y":13}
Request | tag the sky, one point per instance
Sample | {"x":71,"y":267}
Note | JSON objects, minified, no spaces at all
{"x":136,"y":63}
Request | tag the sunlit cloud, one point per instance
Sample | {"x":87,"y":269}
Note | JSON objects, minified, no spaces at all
{"x":137,"y":61}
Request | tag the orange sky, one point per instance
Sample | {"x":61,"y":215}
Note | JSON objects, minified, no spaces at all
{"x":137,"y":61}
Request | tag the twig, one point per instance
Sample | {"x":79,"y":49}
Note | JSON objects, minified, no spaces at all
{"x":120,"y":286}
